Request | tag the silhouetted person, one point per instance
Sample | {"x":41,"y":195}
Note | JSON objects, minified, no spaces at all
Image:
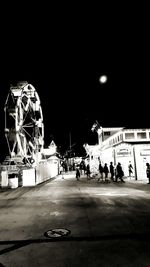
{"x":148,"y":172}
{"x":119,"y":172}
{"x":84,"y":168}
{"x":130,"y":168}
{"x":64,"y":165}
{"x":106,"y":171}
{"x":82,"y":163}
{"x":111,"y":168}
{"x":77,"y":173}
{"x":101,"y":170}
{"x":88,"y":171}
{"x":73,"y":166}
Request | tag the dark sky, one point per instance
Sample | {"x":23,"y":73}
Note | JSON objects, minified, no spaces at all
{"x":63,"y":54}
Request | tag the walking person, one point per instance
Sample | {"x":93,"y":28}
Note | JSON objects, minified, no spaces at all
{"x":82,"y":163}
{"x":106,"y":171}
{"x":61,"y":171}
{"x":84,"y":168}
{"x":130,"y":169}
{"x":101,"y":171}
{"x":88,"y":172}
{"x":148,"y":172}
{"x":77,"y":173}
{"x":119,"y":173}
{"x":111,"y":169}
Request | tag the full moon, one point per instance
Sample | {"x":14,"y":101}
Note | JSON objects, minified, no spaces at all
{"x":103,"y":79}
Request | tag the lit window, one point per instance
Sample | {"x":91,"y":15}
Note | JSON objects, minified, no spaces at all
{"x":145,"y":152}
{"x":107,"y":133}
{"x":129,"y":135}
{"x":141,"y":135}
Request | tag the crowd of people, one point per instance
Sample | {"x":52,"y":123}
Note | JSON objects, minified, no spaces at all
{"x":115,"y":172}
{"x":105,"y":173}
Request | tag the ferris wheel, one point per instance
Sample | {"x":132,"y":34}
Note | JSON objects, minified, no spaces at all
{"x":24,"y":128}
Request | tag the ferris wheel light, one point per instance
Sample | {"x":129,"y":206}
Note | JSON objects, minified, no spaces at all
{"x":103,"y":79}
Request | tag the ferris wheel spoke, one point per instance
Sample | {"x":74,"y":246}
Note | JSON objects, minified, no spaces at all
{"x":28,"y":125}
{"x":25,"y":115}
{"x":26,"y":132}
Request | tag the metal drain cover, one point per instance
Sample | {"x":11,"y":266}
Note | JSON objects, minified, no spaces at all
{"x":57,"y":232}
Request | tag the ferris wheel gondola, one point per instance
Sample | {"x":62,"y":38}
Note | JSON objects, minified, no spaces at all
{"x":24,"y":128}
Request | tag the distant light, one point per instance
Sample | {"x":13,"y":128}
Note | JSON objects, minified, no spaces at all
{"x":103,"y":79}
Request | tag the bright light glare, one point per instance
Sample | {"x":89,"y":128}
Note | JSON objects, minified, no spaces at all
{"x":103,"y":79}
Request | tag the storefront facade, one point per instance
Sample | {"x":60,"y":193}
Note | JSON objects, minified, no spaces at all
{"x":124,"y":146}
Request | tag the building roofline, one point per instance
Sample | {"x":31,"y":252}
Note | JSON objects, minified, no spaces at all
{"x":107,"y":129}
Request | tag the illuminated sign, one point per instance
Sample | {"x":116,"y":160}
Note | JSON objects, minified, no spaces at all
{"x":145,"y":152}
{"x":124,"y":152}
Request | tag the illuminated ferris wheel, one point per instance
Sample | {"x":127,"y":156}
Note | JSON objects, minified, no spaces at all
{"x":24,"y":128}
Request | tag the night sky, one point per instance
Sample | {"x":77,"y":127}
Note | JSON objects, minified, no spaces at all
{"x":63,"y":55}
